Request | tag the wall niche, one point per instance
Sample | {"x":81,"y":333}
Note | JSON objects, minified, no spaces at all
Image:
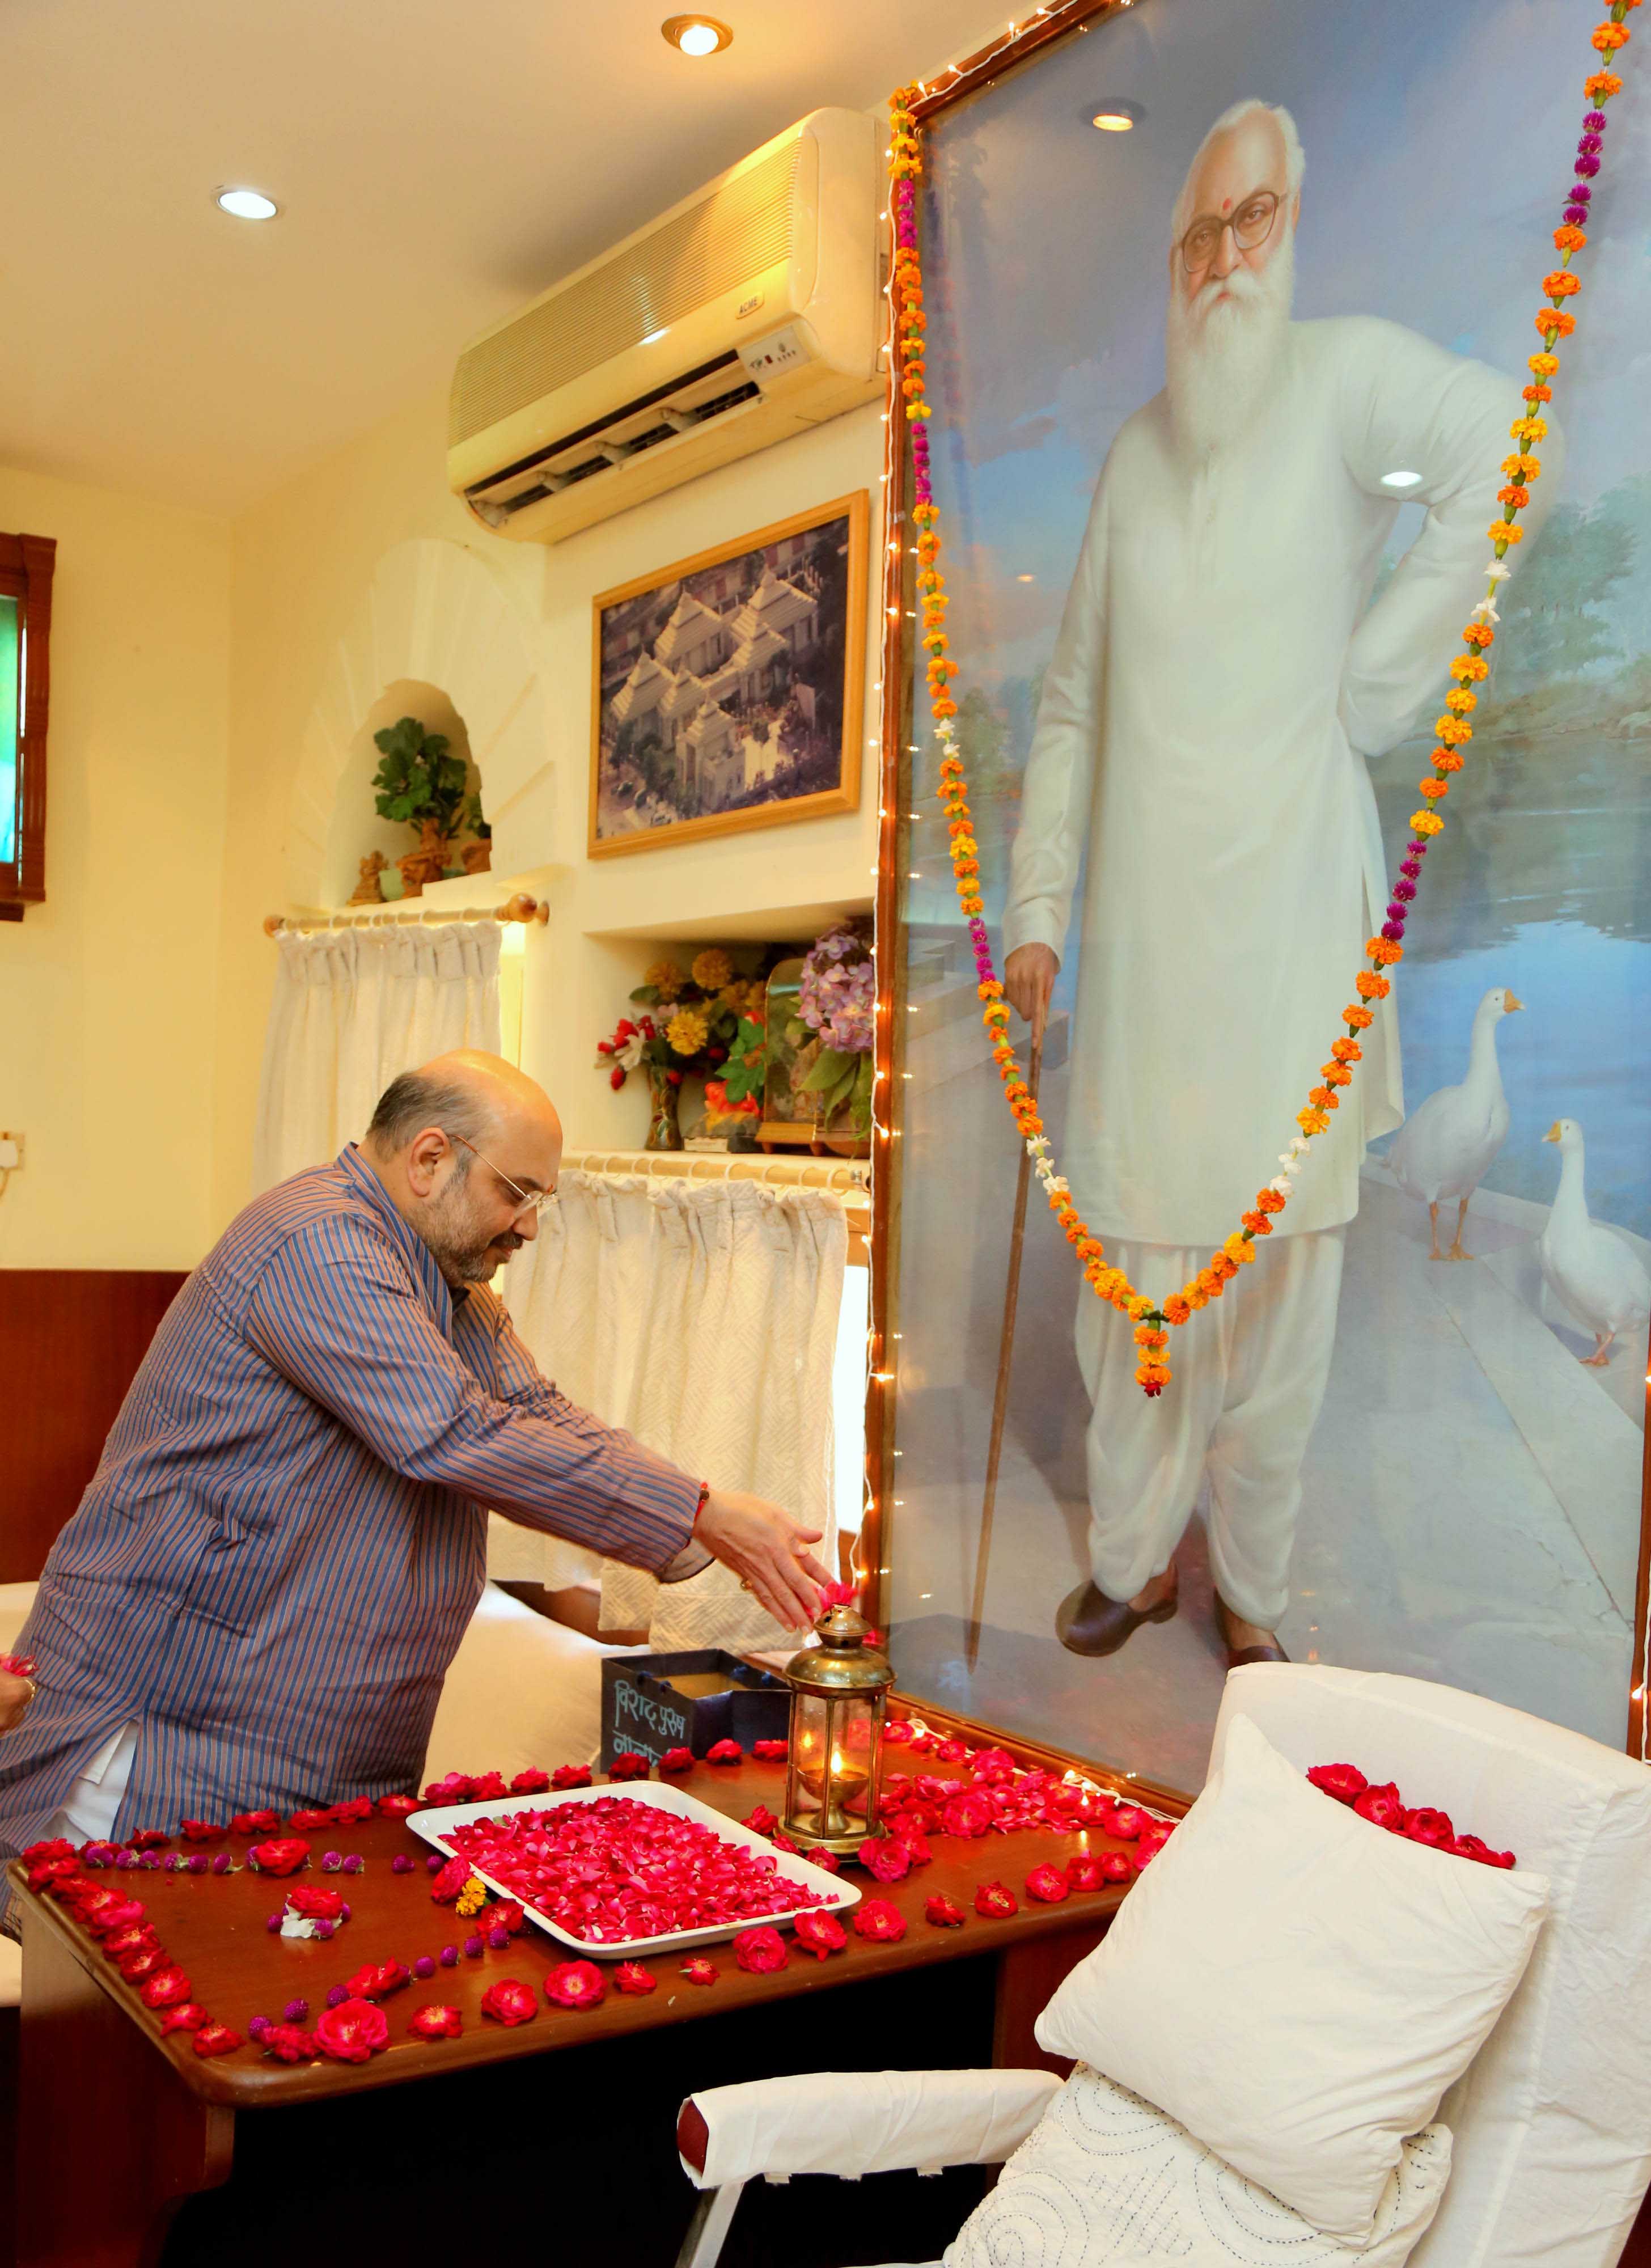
{"x":356,"y":829}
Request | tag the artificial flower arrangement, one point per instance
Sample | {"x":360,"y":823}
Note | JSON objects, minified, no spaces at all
{"x":832,"y":1032}
{"x":689,"y":1026}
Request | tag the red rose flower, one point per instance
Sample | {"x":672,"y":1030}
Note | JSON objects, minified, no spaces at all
{"x":1047,"y":1885}
{"x":724,"y":1752}
{"x":943,"y":1912}
{"x":448,"y":1883}
{"x":885,"y":1857}
{"x":532,"y":1782}
{"x":969,"y":1814}
{"x":771,"y":1752}
{"x":1127,"y":1822}
{"x":489,"y":1786}
{"x":197,"y":1831}
{"x":189,"y":2016}
{"x":279,"y":1858}
{"x":399,"y":1806}
{"x":168,"y":1988}
{"x":896,"y":1733}
{"x":1430,"y":1827}
{"x":761,"y":1951}
{"x":147,"y":1838}
{"x":377,"y":1980}
{"x":458,"y":1788}
{"x":114,"y":1913}
{"x":509,"y":2002}
{"x":1345,"y":1782}
{"x":254,"y":1822}
{"x":631,"y":1976}
{"x":991,"y":1760}
{"x":58,"y":1847}
{"x":53,"y":1870}
{"x":912,"y":1840}
{"x":628,"y":1765}
{"x":879,"y":1921}
{"x":1115,"y":1865}
{"x":351,"y":1811}
{"x":761,"y":1822}
{"x":575,"y":1984}
{"x":307,"y":1822}
{"x":570,"y":1776}
{"x":996,"y":1901}
{"x":820,"y":1934}
{"x":1084,"y":1871}
{"x":289,"y":2043}
{"x":1382,"y":1807}
{"x":136,"y":1936}
{"x":953,"y":1752}
{"x":216,"y":2039}
{"x":677,"y":1760}
{"x":828,"y":1861}
{"x":698,"y":1970}
{"x":352,"y":2032}
{"x":314,"y":1902}
{"x":507,"y":1914}
{"x":1469,"y":1847}
{"x":143,"y":1961}
{"x":434,"y":2023}
{"x":1146,"y":1850}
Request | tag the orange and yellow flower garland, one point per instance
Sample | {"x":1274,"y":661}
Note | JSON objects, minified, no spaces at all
{"x":1553,"y":322}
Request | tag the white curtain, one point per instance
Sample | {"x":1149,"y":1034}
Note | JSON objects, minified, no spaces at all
{"x":352,"y":1007}
{"x":703,"y":1315}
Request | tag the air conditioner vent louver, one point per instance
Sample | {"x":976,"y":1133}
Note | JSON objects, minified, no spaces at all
{"x":739,"y":229}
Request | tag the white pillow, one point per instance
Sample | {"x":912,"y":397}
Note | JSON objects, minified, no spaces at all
{"x":1297,"y":1987}
{"x":1105,"y":2181}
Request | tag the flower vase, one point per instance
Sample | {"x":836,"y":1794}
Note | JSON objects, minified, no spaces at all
{"x":665,"y":1130}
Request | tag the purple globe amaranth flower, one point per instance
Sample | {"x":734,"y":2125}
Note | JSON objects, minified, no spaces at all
{"x":435,"y":1863}
{"x":473,"y":1946}
{"x":423,"y":1967}
{"x":1588,"y":166}
{"x":336,"y":1996}
{"x":355,"y":1864}
{"x":1589,"y":146}
{"x":400,"y":1864}
{"x":1396,"y":910}
{"x":331,"y":1861}
{"x":223,"y":1863}
{"x":1576,"y":214}
{"x":272,"y":1922}
{"x":1417,"y":846}
{"x":1579,"y":193}
{"x":324,"y":1929}
{"x":498,"y":1939}
{"x":258,"y":2027}
{"x":343,"y":1910}
{"x":295,"y":2012}
{"x":125,"y":1859}
{"x":1594,"y":122}
{"x":449,"y":1956}
{"x":1393,"y":931}
{"x":1404,"y":892}
{"x":149,"y":1860}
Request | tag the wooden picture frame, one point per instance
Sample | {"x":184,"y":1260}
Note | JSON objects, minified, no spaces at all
{"x":665,"y":725}
{"x":27,"y":564}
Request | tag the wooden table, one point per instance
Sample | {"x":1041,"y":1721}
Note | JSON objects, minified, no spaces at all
{"x":117,"y":2127}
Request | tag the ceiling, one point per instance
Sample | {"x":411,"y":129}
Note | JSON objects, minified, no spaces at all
{"x":436,"y":166}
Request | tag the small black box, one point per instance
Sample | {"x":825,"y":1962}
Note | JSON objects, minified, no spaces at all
{"x":652,"y":1702}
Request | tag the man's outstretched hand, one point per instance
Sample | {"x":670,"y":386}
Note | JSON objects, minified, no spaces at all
{"x":1028,"y":978}
{"x":767,"y":1551}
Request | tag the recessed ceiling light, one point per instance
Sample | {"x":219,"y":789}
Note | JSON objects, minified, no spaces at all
{"x":697,"y":35}
{"x":1112,"y":117}
{"x":1401,"y":479}
{"x":247,"y":204}
{"x":1026,"y":578}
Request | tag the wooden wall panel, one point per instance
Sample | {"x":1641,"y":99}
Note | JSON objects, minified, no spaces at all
{"x":70,"y":1341}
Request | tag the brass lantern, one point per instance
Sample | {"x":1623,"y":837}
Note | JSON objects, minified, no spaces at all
{"x":840,"y":1692}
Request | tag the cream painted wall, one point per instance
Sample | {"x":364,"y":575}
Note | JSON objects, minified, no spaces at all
{"x":109,"y":991}
{"x":308,"y":562}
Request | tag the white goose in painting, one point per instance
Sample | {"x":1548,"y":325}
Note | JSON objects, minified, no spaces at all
{"x":1446,"y":1146}
{"x":1599,"y":1277}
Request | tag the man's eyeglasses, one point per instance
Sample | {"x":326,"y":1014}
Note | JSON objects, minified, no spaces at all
{"x":535,"y":1201}
{"x":1252,"y":224}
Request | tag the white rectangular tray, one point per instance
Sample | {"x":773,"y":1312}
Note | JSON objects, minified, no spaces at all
{"x":436,"y":1825}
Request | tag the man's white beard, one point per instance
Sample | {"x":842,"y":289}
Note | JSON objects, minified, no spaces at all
{"x":1222,"y":361}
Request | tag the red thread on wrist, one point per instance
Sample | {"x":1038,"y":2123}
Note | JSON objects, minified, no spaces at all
{"x":705,"y":1498}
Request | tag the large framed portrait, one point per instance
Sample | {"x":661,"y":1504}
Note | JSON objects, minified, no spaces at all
{"x":1222,"y":400}
{"x":728,"y":689}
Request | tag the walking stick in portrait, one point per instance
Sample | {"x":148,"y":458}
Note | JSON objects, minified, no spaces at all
{"x":1006,"y":1359}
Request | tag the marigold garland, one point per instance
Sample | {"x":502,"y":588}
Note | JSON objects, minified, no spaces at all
{"x":1553,"y":322}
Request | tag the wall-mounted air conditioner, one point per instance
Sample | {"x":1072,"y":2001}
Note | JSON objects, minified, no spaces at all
{"x":746,"y":313}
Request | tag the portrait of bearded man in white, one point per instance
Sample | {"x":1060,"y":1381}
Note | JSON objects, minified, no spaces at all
{"x":1220,"y":679}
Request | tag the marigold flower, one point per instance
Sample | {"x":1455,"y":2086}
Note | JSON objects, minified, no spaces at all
{"x":1609,"y":37}
{"x":1311,"y":1122}
{"x":1555,"y":323}
{"x":1451,"y":731}
{"x":1462,"y":703}
{"x":666,"y":979}
{"x":1467,"y":666}
{"x":1384,"y":951}
{"x":1602,"y":86}
{"x":1530,"y":429}
{"x":1435,"y":787}
{"x":1359,"y":1019}
{"x":1479,"y":634}
{"x":1561,"y":284}
{"x":1196,"y":1297}
{"x":1537,"y":394}
{"x":688,"y":1031}
{"x":1518,"y":497}
{"x":1256,"y":1223}
{"x":1336,"y":1074}
{"x":1176,"y":1308}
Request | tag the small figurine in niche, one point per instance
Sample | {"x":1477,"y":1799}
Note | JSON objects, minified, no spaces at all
{"x":368,"y":890}
{"x":427,"y":864}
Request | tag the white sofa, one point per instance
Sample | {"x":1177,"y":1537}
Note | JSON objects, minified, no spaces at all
{"x":522,"y":1691}
{"x":1553,"y":2119}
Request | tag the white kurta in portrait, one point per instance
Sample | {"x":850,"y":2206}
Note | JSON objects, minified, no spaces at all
{"x":1216,"y":687}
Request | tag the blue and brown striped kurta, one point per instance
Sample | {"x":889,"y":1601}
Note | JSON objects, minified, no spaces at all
{"x":285,"y":1540}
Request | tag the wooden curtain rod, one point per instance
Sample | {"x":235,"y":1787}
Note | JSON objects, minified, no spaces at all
{"x":521,"y":907}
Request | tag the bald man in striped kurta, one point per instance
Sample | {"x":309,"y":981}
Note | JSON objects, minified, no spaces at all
{"x":258,"y":1599}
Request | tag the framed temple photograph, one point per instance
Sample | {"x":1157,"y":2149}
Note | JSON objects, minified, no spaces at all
{"x":728,"y":689}
{"x":1212,"y":490}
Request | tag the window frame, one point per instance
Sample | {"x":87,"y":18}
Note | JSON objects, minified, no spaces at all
{"x":28,"y":564}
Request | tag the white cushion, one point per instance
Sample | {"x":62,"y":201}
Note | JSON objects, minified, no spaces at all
{"x":1106,"y":2179}
{"x":1552,"y":2122}
{"x":521,"y":1690}
{"x":1297,"y":1987}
